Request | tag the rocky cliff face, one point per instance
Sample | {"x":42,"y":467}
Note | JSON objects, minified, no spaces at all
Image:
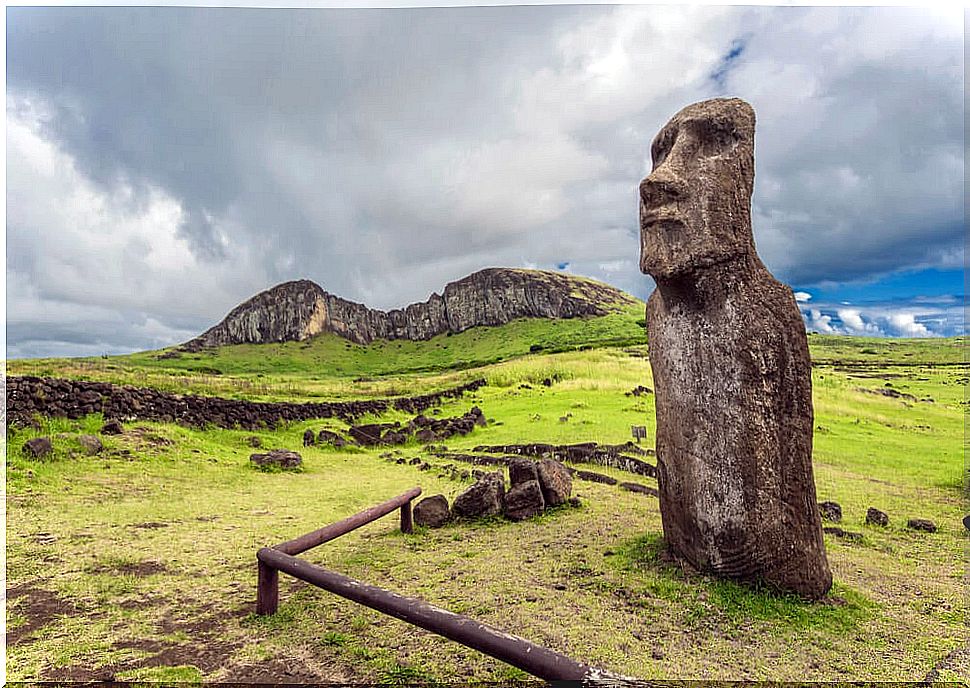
{"x":295,"y":311}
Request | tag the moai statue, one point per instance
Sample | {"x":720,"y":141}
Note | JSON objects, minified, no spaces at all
{"x":730,"y":364}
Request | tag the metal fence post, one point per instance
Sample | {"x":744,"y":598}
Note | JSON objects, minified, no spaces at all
{"x":407,"y":525}
{"x":267,"y":590}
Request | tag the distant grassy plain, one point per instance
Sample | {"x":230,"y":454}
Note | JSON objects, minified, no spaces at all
{"x":139,"y":563}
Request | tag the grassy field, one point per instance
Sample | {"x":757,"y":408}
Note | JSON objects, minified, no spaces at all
{"x":139,"y":563}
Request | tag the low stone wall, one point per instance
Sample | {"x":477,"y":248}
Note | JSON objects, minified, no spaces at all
{"x":30,"y":396}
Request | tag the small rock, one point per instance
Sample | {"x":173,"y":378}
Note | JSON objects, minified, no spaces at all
{"x":330,"y":438}
{"x":555,"y":481}
{"x":874,"y":517}
{"x":91,"y":444}
{"x":657,"y":654}
{"x":524,"y":500}
{"x":484,"y":498}
{"x":966,"y":521}
{"x":281,"y":458}
{"x":38,"y":447}
{"x":432,"y":511}
{"x":112,"y":427}
{"x":309,"y":438}
{"x":415,"y":461}
{"x":923,"y":524}
{"x":830,"y":511}
{"x":254,"y":442}
{"x":596,"y":477}
{"x":522,"y":471}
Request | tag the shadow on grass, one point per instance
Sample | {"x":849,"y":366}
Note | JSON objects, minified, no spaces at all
{"x":706,"y":600}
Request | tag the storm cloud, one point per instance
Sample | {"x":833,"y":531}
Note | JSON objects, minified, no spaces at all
{"x":163,"y":164}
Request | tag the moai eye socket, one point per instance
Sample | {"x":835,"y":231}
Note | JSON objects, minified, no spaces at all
{"x":715,"y":138}
{"x":661,"y":146}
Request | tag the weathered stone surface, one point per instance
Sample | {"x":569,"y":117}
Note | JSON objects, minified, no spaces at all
{"x":522,"y":471}
{"x":642,"y":489}
{"x":309,"y":438}
{"x":432,"y":511}
{"x":330,"y":437}
{"x":524,"y":500}
{"x":555,"y":481}
{"x":112,"y":427}
{"x":38,"y":447}
{"x":90,"y":444}
{"x":874,"y":517}
{"x":923,"y":524}
{"x":830,"y":511}
{"x":295,"y":311}
{"x":596,"y":477}
{"x":484,"y":498}
{"x":282,"y":458}
{"x":730,"y":362}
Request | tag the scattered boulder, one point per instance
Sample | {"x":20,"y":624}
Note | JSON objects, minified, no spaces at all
{"x":484,"y":498}
{"x":524,"y":500}
{"x":90,"y":444}
{"x":874,"y":517}
{"x":254,"y":442}
{"x":522,"y":471}
{"x":309,"y":438}
{"x":830,"y":511}
{"x":326,"y":436}
{"x":394,"y":437}
{"x":425,"y":436}
{"x":966,"y":521}
{"x":38,"y":447}
{"x":370,"y":435}
{"x":924,"y":524}
{"x":279,"y":458}
{"x":432,"y":511}
{"x":555,"y":481}
{"x":112,"y":427}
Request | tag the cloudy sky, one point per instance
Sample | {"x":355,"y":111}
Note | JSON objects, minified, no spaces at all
{"x":164,"y":164}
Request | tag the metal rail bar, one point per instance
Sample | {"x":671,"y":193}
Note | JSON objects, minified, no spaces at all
{"x":335,"y":530}
{"x":536,"y":660}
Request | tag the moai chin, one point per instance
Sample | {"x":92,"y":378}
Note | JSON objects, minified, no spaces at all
{"x":730,"y":363}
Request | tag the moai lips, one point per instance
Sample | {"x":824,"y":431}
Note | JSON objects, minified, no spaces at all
{"x":730,"y":362}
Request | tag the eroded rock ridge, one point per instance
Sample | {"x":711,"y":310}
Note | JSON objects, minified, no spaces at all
{"x":296,"y":311}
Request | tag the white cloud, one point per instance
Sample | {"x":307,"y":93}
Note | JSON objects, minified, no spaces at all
{"x":802,"y":296}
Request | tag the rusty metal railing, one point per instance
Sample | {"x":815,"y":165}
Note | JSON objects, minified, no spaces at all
{"x":534,"y":659}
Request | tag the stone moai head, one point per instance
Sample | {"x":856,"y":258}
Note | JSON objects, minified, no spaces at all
{"x":695,"y":206}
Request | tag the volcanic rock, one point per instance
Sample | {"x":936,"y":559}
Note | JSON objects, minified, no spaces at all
{"x":90,"y":444}
{"x":730,"y":362}
{"x":874,"y":517}
{"x":432,"y":511}
{"x":524,"y":500}
{"x":329,"y":437}
{"x":830,"y":511}
{"x":923,"y":524}
{"x":296,"y":311}
{"x":522,"y":471}
{"x":112,"y":427}
{"x":38,"y":447}
{"x":484,"y":498}
{"x":309,"y":438}
{"x":555,"y":481}
{"x":281,"y":458}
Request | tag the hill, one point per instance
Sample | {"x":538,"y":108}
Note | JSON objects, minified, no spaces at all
{"x":300,"y":310}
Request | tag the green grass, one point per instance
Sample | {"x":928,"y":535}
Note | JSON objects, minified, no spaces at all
{"x":155,"y":542}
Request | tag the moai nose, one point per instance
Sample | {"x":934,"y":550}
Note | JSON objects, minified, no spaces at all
{"x":662,"y":186}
